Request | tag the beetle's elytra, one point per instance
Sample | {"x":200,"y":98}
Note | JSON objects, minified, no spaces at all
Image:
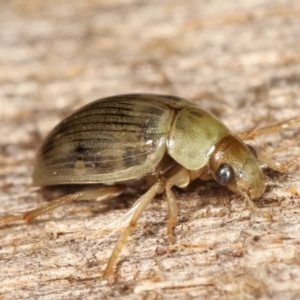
{"x":166,"y":140}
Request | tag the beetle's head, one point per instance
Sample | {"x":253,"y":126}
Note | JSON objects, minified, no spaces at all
{"x":233,"y":164}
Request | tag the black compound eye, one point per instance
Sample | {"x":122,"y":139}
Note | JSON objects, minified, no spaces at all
{"x":225,"y":174}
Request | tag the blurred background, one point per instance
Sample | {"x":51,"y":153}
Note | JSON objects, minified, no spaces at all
{"x":238,"y":59}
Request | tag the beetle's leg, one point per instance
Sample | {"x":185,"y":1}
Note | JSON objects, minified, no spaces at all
{"x":267,"y":161}
{"x":180,"y":179}
{"x":263,"y":157}
{"x":140,"y":207}
{"x":98,"y":194}
{"x":258,"y":210}
{"x":173,"y":212}
{"x":251,"y":134}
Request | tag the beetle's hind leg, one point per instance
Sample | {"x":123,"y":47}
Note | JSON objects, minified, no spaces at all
{"x":99,"y":194}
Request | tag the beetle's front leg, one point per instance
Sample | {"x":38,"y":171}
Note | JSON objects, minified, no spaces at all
{"x":251,"y":134}
{"x":180,"y":179}
{"x":267,"y":161}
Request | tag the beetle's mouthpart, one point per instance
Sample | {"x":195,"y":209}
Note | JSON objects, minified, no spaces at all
{"x":253,"y":179}
{"x":243,"y":188}
{"x":255,"y":208}
{"x":248,"y":189}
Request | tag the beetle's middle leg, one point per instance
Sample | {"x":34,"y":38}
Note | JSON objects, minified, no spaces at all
{"x":177,"y":177}
{"x":99,"y":194}
{"x":140,"y":207}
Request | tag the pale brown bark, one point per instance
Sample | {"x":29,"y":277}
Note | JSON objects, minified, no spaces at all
{"x":238,"y":59}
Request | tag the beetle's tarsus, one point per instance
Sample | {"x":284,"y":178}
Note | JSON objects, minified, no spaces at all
{"x":170,"y":233}
{"x":10,"y":219}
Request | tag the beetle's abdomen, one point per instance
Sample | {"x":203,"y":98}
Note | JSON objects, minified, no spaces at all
{"x":116,"y":139}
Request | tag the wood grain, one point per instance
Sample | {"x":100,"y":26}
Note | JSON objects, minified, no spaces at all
{"x":238,"y":59}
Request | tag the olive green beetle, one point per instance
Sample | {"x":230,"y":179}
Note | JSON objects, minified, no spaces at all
{"x":127,"y":137}
{"x":167,"y":141}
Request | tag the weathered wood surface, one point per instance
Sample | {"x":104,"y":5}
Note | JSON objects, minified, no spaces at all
{"x":239,"y":59}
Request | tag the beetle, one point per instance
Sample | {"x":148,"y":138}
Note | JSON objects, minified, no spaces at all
{"x":164,"y":140}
